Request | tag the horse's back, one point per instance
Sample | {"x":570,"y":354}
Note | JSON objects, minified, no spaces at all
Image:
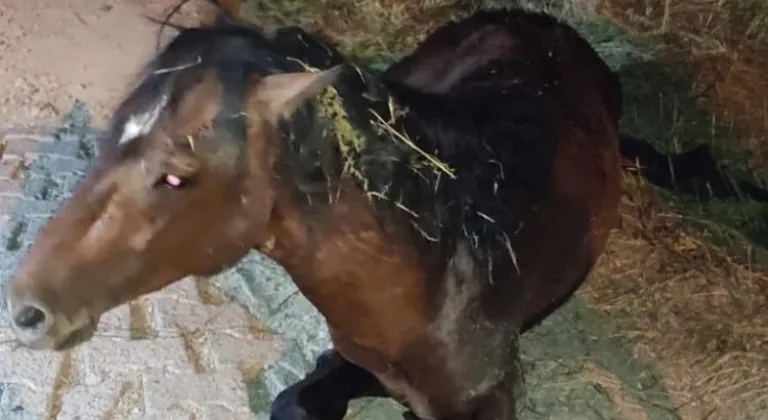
{"x":460,"y":48}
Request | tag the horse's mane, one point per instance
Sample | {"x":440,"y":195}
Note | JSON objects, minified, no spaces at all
{"x":453,"y":169}
{"x":233,"y":52}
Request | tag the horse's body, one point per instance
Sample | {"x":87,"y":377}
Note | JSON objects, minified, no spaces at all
{"x":430,"y":217}
{"x":490,"y":48}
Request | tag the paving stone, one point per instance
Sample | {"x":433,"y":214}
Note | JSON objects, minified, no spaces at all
{"x":10,"y":189}
{"x":163,"y":390}
{"x":218,"y":412}
{"x":4,"y":220}
{"x":10,"y":168}
{"x":61,"y":148}
{"x":28,"y":136}
{"x":46,"y":187}
{"x":232,"y":318}
{"x":104,"y":357}
{"x":47,"y":164}
{"x":228,"y":348}
{"x":27,"y":207}
{"x":374,"y":409}
{"x":116,"y":323}
{"x":19,"y":145}
{"x":115,"y":397}
{"x":35,"y":370}
{"x":291,"y":367}
{"x":170,"y":313}
{"x":183,"y":290}
{"x":26,"y":380}
{"x":302,"y":322}
{"x":19,"y":402}
{"x":175,"y":413}
{"x":189,"y":312}
{"x":6,"y":336}
{"x":222,"y":335}
{"x":259,"y":283}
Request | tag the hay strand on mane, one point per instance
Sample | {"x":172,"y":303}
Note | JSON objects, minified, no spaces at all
{"x":434,"y":161}
{"x":349,"y":140}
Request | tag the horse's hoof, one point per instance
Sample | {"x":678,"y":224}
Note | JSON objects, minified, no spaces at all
{"x":410,"y":415}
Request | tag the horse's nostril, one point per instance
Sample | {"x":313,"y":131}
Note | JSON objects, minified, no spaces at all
{"x":29,"y":317}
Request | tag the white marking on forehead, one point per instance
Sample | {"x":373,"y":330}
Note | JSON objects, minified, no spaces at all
{"x":141,"y":124}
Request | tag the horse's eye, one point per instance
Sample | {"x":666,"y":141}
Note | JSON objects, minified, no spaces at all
{"x":173,"y":181}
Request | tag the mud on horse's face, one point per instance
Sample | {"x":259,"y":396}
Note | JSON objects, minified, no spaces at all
{"x":183,"y":187}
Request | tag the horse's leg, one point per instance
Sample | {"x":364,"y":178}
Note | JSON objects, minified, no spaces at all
{"x":499,"y":403}
{"x":325,"y":392}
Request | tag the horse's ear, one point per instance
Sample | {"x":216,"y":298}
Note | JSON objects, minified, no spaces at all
{"x":283,"y":93}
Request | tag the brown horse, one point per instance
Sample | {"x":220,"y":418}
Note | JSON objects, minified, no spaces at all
{"x":430,"y":222}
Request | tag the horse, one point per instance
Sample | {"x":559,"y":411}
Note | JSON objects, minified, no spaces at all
{"x":429,"y":226}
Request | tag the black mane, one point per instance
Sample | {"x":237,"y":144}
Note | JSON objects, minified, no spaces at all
{"x":234,"y":53}
{"x":496,"y":138}
{"x":445,"y":166}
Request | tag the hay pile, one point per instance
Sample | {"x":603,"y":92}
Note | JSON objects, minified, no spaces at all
{"x":686,"y":282}
{"x":692,"y":278}
{"x":697,"y":309}
{"x":722,"y":48}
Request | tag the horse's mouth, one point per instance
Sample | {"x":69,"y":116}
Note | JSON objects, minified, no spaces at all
{"x":58,"y":340}
{"x":77,"y":337}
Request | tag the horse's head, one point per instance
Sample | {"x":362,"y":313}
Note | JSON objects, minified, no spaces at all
{"x":183,"y":185}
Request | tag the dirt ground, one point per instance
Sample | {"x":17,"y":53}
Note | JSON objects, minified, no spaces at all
{"x":54,"y":52}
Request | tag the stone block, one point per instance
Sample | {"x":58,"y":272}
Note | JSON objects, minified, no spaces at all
{"x":106,"y":357}
{"x":218,"y":412}
{"x":259,"y":283}
{"x":10,"y":189}
{"x":183,"y":290}
{"x":114,"y":398}
{"x":224,"y":387}
{"x":116,"y":323}
{"x":23,"y":145}
{"x":171,"y":313}
{"x":302,"y":322}
{"x":19,"y":402}
{"x":26,"y":380}
{"x":241,"y":350}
